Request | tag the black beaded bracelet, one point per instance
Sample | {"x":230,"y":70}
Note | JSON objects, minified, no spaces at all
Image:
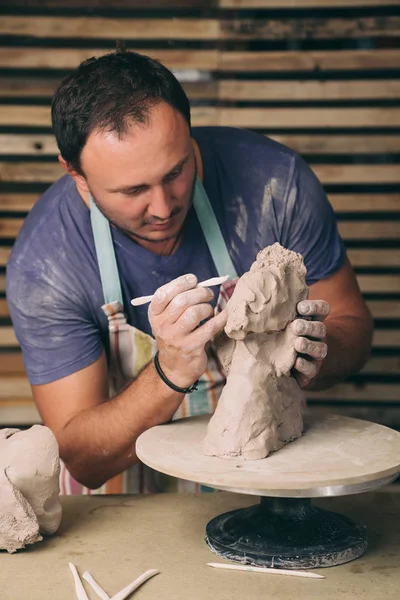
{"x":169,"y":383}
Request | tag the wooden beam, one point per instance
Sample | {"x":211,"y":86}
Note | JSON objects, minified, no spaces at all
{"x":313,"y":60}
{"x":364,"y":174}
{"x":328,"y":174}
{"x":36,"y":145}
{"x":12,"y":144}
{"x":384,"y":309}
{"x":369,"y":230}
{"x":306,"y":28}
{"x":87,"y":27}
{"x":386,"y":338}
{"x":9,"y":228}
{"x":359,"y":393}
{"x":17,"y":202}
{"x":11,"y":363}
{"x":21,"y":411}
{"x":374,"y":257}
{"x":4,"y":255}
{"x":2,"y":288}
{"x":309,"y":90}
{"x":348,"y":203}
{"x":382,"y":284}
{"x":304,"y":3}
{"x":69,"y":58}
{"x":382,"y":365}
{"x":339,"y":144}
{"x":178,"y":28}
{"x":308,"y":117}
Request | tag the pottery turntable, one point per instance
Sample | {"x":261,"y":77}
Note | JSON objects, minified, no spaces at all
{"x":335,"y":456}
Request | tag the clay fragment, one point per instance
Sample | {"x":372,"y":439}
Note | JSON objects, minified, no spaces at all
{"x":260,"y":408}
{"x":29,"y":486}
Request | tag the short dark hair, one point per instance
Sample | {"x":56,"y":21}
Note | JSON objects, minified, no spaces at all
{"x":103,"y":93}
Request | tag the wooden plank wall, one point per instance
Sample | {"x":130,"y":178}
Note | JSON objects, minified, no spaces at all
{"x":322,"y":76}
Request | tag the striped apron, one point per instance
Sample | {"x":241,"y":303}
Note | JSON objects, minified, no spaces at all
{"x":132,"y":349}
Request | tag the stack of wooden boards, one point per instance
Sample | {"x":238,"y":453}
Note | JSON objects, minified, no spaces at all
{"x":322,"y":76}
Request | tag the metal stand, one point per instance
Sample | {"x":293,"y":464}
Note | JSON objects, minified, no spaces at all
{"x":286,"y":532}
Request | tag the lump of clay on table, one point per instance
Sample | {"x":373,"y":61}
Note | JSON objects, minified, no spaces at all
{"x":260,"y":408}
{"x":29,"y":486}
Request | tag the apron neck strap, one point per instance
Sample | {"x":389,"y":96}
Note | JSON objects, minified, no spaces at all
{"x":212,"y":233}
{"x":105,"y":255}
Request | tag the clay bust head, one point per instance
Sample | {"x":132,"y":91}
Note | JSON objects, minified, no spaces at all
{"x":265,"y":298}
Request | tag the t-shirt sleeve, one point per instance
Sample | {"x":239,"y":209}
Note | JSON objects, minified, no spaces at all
{"x":310,"y":226}
{"x":57,"y":338}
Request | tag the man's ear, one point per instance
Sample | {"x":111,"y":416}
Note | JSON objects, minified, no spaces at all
{"x":80,"y":181}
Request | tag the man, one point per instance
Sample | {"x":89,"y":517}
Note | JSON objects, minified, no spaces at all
{"x":150,"y":203}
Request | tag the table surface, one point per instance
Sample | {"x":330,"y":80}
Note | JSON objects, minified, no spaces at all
{"x":116,"y":538}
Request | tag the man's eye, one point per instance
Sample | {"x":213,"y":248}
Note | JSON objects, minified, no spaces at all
{"x":174,"y":174}
{"x":135,"y":192}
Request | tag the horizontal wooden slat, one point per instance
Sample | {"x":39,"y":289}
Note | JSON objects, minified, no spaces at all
{"x":173,"y":4}
{"x":45,"y":144}
{"x":7,"y":336}
{"x":308,"y":90}
{"x":345,"y":203}
{"x":384,"y":309}
{"x":383,"y":365}
{"x":340,"y":144}
{"x":11,"y":362}
{"x":69,"y":58}
{"x":39,"y":145}
{"x":3,"y":313}
{"x":359,"y":393}
{"x":302,"y":28}
{"x":369,"y":230}
{"x":4,"y":255}
{"x":358,"y":173}
{"x":20,"y":411}
{"x":2,"y":286}
{"x":379,"y":284}
{"x":374,"y":257}
{"x":17,"y":202}
{"x":320,"y":60}
{"x":23,"y":87}
{"x":308,"y":117}
{"x":9,"y":228}
{"x":199,"y":29}
{"x":386,"y":338}
{"x":112,"y":28}
{"x":328,"y":174}
{"x":304,"y":3}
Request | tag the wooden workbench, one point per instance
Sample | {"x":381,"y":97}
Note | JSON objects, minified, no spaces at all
{"x":119,"y":537}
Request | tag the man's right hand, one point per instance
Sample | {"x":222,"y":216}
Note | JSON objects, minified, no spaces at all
{"x":175,"y":313}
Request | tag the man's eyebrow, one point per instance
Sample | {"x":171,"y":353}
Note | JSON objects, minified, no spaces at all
{"x":131,"y":188}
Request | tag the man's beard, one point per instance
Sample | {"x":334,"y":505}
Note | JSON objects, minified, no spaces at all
{"x":133,"y":234}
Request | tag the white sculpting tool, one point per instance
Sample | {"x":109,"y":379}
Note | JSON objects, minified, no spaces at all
{"x":266,"y":570}
{"x":95,"y":586}
{"x":207,"y":283}
{"x":135,"y":584}
{"x":79,"y":589}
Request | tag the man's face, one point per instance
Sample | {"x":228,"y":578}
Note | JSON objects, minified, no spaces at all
{"x":143,"y":182}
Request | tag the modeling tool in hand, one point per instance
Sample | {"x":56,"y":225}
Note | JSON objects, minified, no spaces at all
{"x":207,"y":283}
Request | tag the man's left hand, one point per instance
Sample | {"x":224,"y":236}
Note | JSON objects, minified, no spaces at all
{"x":309,"y":340}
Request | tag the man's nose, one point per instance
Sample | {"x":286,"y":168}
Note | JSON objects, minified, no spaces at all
{"x":161,"y":203}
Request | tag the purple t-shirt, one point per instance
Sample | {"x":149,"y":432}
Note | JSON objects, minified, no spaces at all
{"x":261,"y":193}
